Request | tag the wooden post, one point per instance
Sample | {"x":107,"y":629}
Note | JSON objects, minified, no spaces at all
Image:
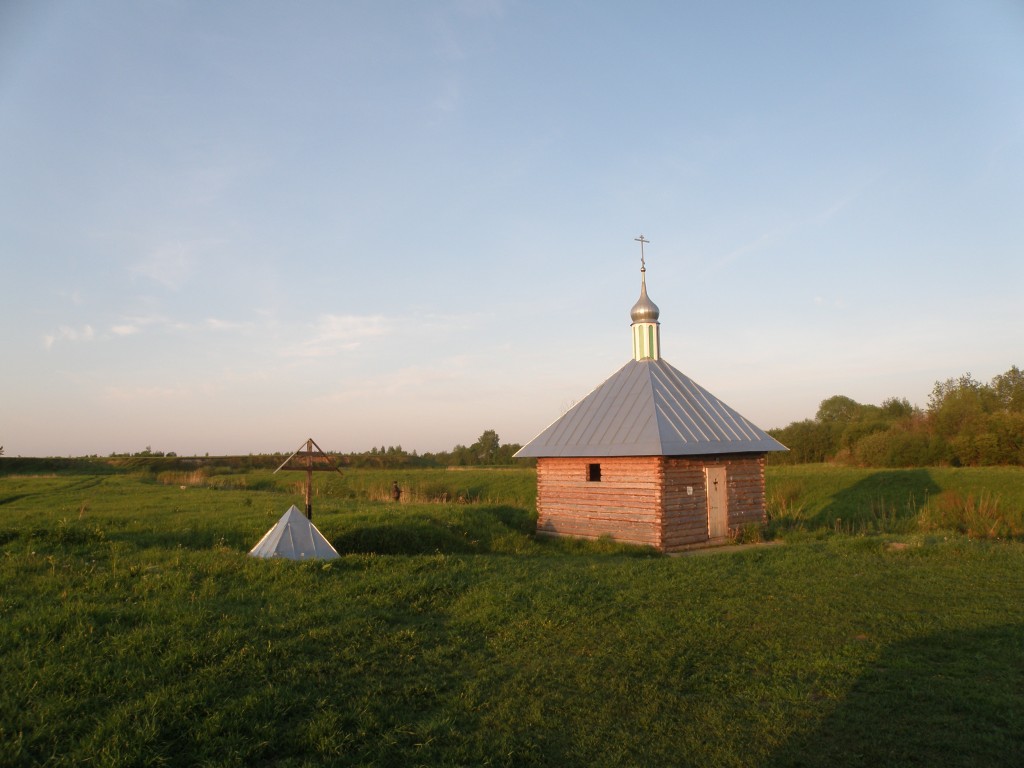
{"x":309,"y":479}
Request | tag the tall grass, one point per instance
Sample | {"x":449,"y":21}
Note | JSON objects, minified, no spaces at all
{"x":979,"y":516}
{"x":513,"y":485}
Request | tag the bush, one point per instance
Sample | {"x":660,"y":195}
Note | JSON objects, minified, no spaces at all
{"x":895,"y":447}
{"x":980,"y":516}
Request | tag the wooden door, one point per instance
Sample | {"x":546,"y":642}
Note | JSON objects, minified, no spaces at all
{"x":718,"y":502}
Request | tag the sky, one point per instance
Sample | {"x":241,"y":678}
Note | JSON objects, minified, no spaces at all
{"x":226,"y":227}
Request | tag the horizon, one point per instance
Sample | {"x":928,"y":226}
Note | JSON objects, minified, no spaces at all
{"x":226,"y":227}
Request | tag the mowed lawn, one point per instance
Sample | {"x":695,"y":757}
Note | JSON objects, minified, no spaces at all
{"x":135,"y":631}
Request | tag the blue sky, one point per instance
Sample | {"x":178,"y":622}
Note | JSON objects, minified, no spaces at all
{"x":226,"y":227}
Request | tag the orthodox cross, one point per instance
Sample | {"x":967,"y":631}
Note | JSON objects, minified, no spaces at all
{"x":642,"y":240}
{"x":315,"y":461}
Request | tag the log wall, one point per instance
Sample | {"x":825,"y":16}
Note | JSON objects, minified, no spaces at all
{"x":624,"y":504}
{"x":644,"y":499}
{"x":686,"y":516}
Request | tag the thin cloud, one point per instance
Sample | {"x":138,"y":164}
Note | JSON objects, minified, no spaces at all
{"x":216,"y":324}
{"x":339,"y":333}
{"x":834,"y":303}
{"x":67,"y":333}
{"x":453,"y":40}
{"x":170,"y":265}
{"x":73,"y":296}
{"x":487,"y":9}
{"x":136,"y":324}
{"x":448,"y":98}
{"x":408,"y":380}
{"x":857,"y":192}
{"x":784,"y":231}
{"x":132,"y":394}
{"x":763,"y":241}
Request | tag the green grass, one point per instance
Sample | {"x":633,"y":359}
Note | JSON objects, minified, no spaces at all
{"x":513,"y":485}
{"x":982,"y":502}
{"x":135,"y":631}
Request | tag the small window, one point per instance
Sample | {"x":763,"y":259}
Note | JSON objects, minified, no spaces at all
{"x":594,"y":473}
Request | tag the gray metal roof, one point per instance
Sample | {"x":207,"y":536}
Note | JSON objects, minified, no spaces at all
{"x":648,"y":408}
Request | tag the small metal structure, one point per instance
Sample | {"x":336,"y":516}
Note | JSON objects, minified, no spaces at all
{"x":313,"y":461}
{"x":294,"y":537}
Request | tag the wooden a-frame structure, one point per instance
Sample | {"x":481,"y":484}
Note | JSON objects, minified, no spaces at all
{"x":312,"y":461}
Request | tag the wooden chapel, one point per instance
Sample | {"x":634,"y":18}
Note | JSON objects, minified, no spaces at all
{"x":650,"y":457}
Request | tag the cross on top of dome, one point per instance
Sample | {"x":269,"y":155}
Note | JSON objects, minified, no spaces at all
{"x":645,"y":310}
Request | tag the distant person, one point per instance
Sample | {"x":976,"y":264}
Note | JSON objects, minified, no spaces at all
{"x":396,"y":492}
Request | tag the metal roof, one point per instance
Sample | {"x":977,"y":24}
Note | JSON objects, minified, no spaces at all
{"x":648,"y":408}
{"x":294,"y":537}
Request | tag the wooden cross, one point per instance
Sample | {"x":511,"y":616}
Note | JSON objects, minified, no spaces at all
{"x":642,"y":240}
{"x":315,"y":461}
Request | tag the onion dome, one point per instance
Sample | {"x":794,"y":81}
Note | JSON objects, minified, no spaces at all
{"x":646,"y":330}
{"x":645,"y":310}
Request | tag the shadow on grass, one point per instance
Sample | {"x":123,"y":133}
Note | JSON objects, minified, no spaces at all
{"x":77,"y":486}
{"x":18,"y":465}
{"x":882,"y":501}
{"x":197,"y":539}
{"x":451,"y":530}
{"x":93,"y":540}
{"x":456,"y":529}
{"x":951,"y":699}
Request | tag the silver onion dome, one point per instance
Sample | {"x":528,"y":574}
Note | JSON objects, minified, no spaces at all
{"x":645,"y":310}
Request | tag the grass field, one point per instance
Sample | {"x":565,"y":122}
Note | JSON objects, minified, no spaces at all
{"x":982,"y":502}
{"x":134,"y":631}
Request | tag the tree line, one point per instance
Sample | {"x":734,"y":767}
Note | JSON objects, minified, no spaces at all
{"x":966,"y":423}
{"x":488,"y":450}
